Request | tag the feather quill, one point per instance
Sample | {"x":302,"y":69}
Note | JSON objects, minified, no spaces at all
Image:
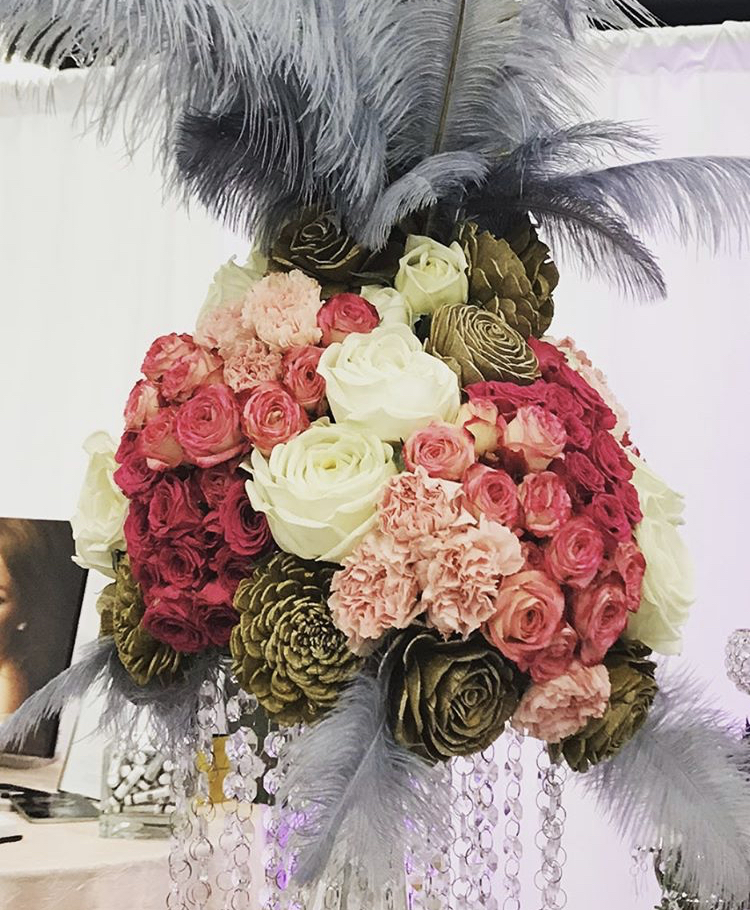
{"x":358,"y":788}
{"x":677,"y":786}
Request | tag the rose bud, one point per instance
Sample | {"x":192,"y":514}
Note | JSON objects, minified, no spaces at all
{"x":482,"y":419}
{"x":344,"y":314}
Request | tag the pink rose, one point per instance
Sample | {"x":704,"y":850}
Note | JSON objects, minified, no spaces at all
{"x":300,"y":375}
{"x":416,"y":506}
{"x":480,"y":417}
{"x":545,"y":503}
{"x":271,"y":417}
{"x":461,"y":572}
{"x":554,"y":710}
{"x":179,"y":366}
{"x":533,"y":556}
{"x":607,"y":512}
{"x":628,"y":496}
{"x":134,"y":477}
{"x":344,"y":314}
{"x":537,"y":434}
{"x":245,"y":530}
{"x":214,"y":614}
{"x":142,"y":404}
{"x":575,"y":553}
{"x":600,"y":614}
{"x":165,"y":353}
{"x":208,"y":427}
{"x":441,"y":449}
{"x":169,"y":618}
{"x":579,"y":435}
{"x":508,"y":397}
{"x":609,"y":456}
{"x":158,"y":442}
{"x":375,"y":590}
{"x":554,"y":660}
{"x":630,"y":564}
{"x":282,"y":309}
{"x":173,"y":508}
{"x":491,"y":492}
{"x":137,"y":533}
{"x":528,"y":611}
{"x":549,"y":357}
{"x":215,"y":482}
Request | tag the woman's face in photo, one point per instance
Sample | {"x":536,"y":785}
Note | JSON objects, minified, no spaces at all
{"x":8,"y":609}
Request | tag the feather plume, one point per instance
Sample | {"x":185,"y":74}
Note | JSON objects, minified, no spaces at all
{"x":358,"y":788}
{"x":678,"y":786}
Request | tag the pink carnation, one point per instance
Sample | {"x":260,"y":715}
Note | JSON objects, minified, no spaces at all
{"x":249,"y":363}
{"x":554,"y":710}
{"x":461,"y":573}
{"x":222,"y":328}
{"x":282,"y":308}
{"x":376,"y":590}
{"x":416,"y":506}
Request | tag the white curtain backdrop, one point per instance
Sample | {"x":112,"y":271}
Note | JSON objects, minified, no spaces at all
{"x":93,"y":266}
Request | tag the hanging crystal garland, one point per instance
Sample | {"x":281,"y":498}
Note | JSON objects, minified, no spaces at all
{"x":485,"y":820}
{"x":552,"y":776}
{"x":464,"y":887}
{"x":180,"y":867}
{"x":513,"y":812}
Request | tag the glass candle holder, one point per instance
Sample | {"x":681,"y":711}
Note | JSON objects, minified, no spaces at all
{"x":137,"y":795}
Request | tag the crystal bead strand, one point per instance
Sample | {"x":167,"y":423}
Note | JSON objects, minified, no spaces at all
{"x":464,"y":887}
{"x":183,"y":820}
{"x":279,"y":823}
{"x":486,"y":817}
{"x":548,"y":880}
{"x":513,"y":812}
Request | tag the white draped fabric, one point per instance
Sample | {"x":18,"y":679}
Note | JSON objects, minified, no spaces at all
{"x":93,"y":266}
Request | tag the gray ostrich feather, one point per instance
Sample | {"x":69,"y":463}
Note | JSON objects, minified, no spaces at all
{"x":678,"y":786}
{"x":358,"y":788}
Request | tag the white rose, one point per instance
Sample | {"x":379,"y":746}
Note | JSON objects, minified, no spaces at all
{"x":392,"y":306}
{"x":385,"y":383}
{"x":232,"y":282}
{"x":432,"y":275}
{"x":669,"y":584}
{"x":320,"y":490}
{"x":98,"y":522}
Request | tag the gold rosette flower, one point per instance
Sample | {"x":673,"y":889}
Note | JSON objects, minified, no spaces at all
{"x":448,"y":698}
{"x":634,"y":688}
{"x":511,"y":277}
{"x":121,"y":610}
{"x":286,"y":650}
{"x":480,"y":345}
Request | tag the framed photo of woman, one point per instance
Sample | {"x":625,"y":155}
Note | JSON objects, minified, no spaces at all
{"x":41,"y":592}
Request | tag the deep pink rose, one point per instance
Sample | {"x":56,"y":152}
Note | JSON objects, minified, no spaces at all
{"x":600,"y":415}
{"x":586,"y":478}
{"x":609,"y":456}
{"x":142,"y":404}
{"x":608,"y":513}
{"x":134,"y":477}
{"x":173,"y":509}
{"x":137,"y":532}
{"x":215,"y":482}
{"x":344,"y":314}
{"x":575,"y":553}
{"x":536,"y":434}
{"x":245,"y":530}
{"x":491,"y":492}
{"x":562,"y":402}
{"x":169,"y":617}
{"x":480,"y":417}
{"x":231,"y":569}
{"x":442,"y":449}
{"x":528,"y":611}
{"x":166,"y":352}
{"x":550,"y":358}
{"x":600,"y":614}
{"x":579,"y":435}
{"x":208,"y":426}
{"x":181,"y":564}
{"x":271,"y":416}
{"x":628,"y":496}
{"x":299,"y":373}
{"x":545,"y":503}
{"x":630,"y":564}
{"x":555,"y":659}
{"x":507,"y":396}
{"x":533,"y":556}
{"x":214,"y":614}
{"x":158,"y":442}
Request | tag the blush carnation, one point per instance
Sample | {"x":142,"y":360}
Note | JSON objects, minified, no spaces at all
{"x":480,"y":417}
{"x":545,"y":502}
{"x":221,"y":327}
{"x":527,"y":612}
{"x":344,"y":314}
{"x":208,"y":427}
{"x":575,"y":553}
{"x":282,"y":309}
{"x":536,"y":434}
{"x":461,"y":572}
{"x":299,"y":373}
{"x":442,"y":449}
{"x":493,"y":493}
{"x":158,"y":442}
{"x":555,"y":710}
{"x":376,"y":590}
{"x":416,"y":506}
{"x":142,"y":404}
{"x":271,"y":417}
{"x":600,"y":614}
{"x":249,"y":363}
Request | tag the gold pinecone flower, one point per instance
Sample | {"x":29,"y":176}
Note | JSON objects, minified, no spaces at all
{"x":286,"y":650}
{"x":512,"y":276}
{"x":121,"y":609}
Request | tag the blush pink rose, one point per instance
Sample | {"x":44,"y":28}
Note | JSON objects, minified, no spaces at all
{"x":537,"y":434}
{"x":415,"y":506}
{"x":375,"y":590}
{"x":200,"y":368}
{"x":545,"y":503}
{"x":165,"y":353}
{"x":442,"y":449}
{"x":527,"y":612}
{"x":630,"y":564}
{"x":250,"y":363}
{"x":575,"y":553}
{"x":345,"y":314}
{"x":554,"y":710}
{"x":491,"y":492}
{"x":600,"y":614}
{"x":271,"y":417}
{"x":481,"y":418}
{"x":299,"y":373}
{"x":282,"y":309}
{"x":554,"y":660}
{"x":460,"y":574}
{"x":142,"y":404}
{"x":158,"y":442}
{"x":208,"y":427}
